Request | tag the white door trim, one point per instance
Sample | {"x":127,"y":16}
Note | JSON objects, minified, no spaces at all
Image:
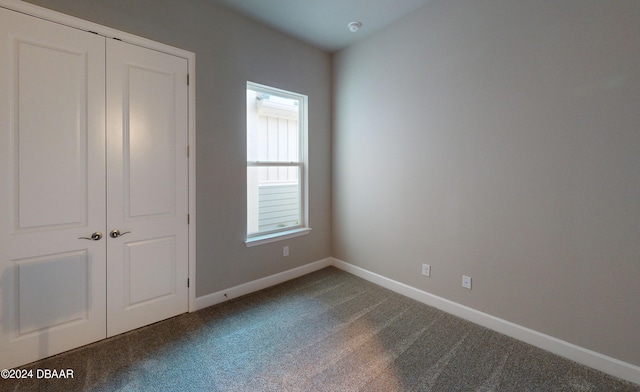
{"x":54,"y":16}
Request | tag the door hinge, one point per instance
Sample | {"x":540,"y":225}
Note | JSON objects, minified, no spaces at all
{"x":188,"y":219}
{"x":188,"y":151}
{"x":187,"y":79}
{"x":188,"y":282}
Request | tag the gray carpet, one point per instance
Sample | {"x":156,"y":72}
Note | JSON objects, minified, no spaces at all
{"x":326,"y":331}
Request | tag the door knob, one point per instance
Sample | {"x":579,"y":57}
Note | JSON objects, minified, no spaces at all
{"x":97,"y":236}
{"x":115,"y":233}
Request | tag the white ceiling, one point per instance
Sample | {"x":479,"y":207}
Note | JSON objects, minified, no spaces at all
{"x":323,"y":23}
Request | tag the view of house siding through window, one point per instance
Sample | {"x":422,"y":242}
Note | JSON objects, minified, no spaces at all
{"x":274,"y":161}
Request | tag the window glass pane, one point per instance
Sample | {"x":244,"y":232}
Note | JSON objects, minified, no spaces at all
{"x":273,"y":195}
{"x":272,"y":128}
{"x":276,"y":153}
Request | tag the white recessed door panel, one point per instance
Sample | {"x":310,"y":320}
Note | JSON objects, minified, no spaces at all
{"x":51,"y":129}
{"x":154,"y":257}
{"x":52,"y":176}
{"x":147,"y":182}
{"x":150,"y":142}
{"x":42,"y":282}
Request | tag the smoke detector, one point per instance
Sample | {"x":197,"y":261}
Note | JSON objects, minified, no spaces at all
{"x":354,"y":26}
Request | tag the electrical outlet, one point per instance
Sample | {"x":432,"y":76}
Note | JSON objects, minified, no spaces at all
{"x":426,"y":270}
{"x":466,"y":282}
{"x":285,"y":251}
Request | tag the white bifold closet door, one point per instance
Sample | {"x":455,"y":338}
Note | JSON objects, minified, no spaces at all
{"x":93,"y":140}
{"x":147,"y":186}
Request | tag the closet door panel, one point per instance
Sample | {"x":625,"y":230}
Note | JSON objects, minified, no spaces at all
{"x":147,"y":178}
{"x":51,"y":119}
{"x":52,"y":171}
{"x":149,"y":152}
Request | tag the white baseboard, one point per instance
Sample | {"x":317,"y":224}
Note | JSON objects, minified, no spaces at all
{"x":606,"y":364}
{"x":263,"y":283}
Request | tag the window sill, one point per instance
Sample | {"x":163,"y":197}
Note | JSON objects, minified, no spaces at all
{"x":273,"y":237}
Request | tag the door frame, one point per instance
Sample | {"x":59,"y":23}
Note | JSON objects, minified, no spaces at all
{"x":81,"y":24}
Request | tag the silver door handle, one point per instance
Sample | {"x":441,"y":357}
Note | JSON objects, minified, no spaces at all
{"x":97,"y":236}
{"x":115,"y":233}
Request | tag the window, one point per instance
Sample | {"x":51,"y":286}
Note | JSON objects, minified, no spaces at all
{"x":276,"y":164}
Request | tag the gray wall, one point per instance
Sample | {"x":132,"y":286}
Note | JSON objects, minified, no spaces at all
{"x":499,"y":139}
{"x":229,"y":51}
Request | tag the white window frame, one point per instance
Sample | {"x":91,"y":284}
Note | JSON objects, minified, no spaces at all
{"x":303,"y":227}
